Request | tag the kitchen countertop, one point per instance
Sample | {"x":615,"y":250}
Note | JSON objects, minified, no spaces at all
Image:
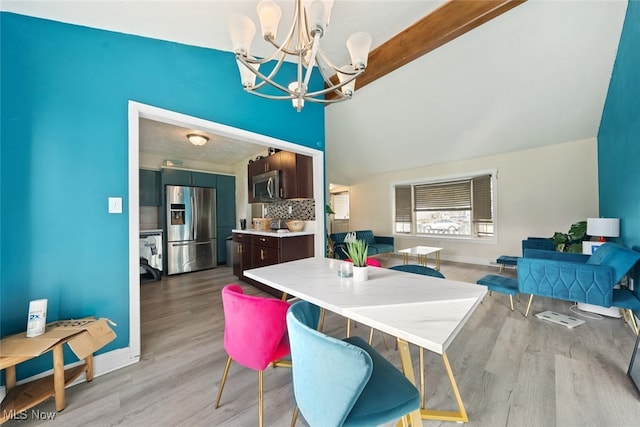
{"x":286,"y":233}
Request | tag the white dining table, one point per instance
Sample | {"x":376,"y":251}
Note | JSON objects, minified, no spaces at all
{"x":422,"y":310}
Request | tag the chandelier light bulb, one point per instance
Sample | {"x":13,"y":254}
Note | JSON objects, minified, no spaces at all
{"x":358,"y":45}
{"x":269,"y":13}
{"x":242,"y":30}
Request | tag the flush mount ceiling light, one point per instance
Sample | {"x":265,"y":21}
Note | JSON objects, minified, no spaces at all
{"x":302,"y":42}
{"x":196,"y":139}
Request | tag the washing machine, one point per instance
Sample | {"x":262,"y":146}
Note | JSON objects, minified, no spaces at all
{"x":151,"y":248}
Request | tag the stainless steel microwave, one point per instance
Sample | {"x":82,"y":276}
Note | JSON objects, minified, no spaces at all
{"x":266,"y":186}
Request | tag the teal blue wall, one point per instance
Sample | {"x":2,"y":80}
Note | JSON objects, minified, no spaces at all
{"x":619,"y":135}
{"x":64,"y":148}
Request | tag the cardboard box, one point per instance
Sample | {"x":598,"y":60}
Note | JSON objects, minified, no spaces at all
{"x":84,"y":336}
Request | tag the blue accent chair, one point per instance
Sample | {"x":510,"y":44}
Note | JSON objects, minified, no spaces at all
{"x":541,"y":243}
{"x":502,"y":284}
{"x":343,"y":383}
{"x":376,"y":244}
{"x":575,"y":277}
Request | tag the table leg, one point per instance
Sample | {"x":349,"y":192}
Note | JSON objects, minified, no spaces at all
{"x":58,"y":377}
{"x":407,"y":370}
{"x":88,"y":369}
{"x":10,"y":377}
{"x":461,"y":414}
{"x":405,"y":258}
{"x":438,"y":260}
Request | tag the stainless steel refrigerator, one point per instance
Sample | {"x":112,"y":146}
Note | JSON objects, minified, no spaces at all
{"x":191,"y":228}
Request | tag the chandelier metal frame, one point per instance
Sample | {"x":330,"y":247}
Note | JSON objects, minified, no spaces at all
{"x":302,"y":42}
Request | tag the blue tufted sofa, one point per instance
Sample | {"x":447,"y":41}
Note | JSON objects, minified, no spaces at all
{"x":575,"y":277}
{"x":377,"y":244}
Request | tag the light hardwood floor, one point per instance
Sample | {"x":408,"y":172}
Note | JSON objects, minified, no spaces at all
{"x":511,"y":370}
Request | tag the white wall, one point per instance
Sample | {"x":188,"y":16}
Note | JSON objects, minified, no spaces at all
{"x":540,"y":191}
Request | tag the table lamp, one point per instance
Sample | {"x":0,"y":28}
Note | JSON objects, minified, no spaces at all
{"x":603,"y":227}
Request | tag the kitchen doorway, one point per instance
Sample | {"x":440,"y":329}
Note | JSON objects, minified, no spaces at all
{"x":139,"y":111}
{"x":339,"y":202}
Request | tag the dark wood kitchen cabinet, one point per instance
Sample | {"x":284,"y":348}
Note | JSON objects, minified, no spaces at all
{"x":241,"y":253}
{"x":266,"y":164}
{"x":296,"y":174}
{"x":265,"y":250}
{"x":258,"y":250}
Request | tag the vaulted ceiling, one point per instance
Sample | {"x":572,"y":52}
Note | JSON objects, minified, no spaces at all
{"x":533,"y":76}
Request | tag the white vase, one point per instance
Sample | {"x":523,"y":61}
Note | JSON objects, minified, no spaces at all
{"x":360,"y":274}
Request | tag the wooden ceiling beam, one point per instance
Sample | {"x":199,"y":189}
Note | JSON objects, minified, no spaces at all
{"x":450,"y":20}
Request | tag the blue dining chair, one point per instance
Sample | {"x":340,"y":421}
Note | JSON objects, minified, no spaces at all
{"x":425,"y":271}
{"x":343,"y":382}
{"x":418,"y":269}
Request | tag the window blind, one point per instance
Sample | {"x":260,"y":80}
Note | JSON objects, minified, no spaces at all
{"x":450,"y":196}
{"x":482,"y":194}
{"x":403,"y":203}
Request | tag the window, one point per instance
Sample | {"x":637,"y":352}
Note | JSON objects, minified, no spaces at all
{"x":459,"y":207}
{"x":340,"y":205}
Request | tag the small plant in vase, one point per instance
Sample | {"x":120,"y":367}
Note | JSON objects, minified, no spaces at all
{"x":357,"y":252}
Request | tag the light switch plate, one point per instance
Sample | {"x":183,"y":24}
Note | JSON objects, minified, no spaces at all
{"x":115,"y":204}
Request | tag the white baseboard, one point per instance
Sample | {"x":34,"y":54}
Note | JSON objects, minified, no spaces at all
{"x":102,"y":364}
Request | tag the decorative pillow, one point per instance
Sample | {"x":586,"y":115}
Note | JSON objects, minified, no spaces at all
{"x":616,"y":256}
{"x":350,"y":237}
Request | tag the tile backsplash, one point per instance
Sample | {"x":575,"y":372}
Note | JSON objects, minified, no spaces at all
{"x":300,"y":209}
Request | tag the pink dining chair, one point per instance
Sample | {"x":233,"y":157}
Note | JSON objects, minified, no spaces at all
{"x":255,"y":334}
{"x":372,"y":262}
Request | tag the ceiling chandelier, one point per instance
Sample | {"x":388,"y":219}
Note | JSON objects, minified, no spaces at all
{"x":302,"y":43}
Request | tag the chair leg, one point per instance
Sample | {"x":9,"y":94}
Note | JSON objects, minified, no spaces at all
{"x":633,"y":322}
{"x":260,"y":415}
{"x":384,"y":340}
{"x":529,"y":305}
{"x":295,"y":416}
{"x":511,"y":301}
{"x":224,"y":379}
{"x":321,"y":320}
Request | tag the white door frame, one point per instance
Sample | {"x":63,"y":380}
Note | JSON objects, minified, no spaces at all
{"x":137,"y":111}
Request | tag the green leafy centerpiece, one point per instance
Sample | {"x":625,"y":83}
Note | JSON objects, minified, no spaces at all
{"x":357,"y":252}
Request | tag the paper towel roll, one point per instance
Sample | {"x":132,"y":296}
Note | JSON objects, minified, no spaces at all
{"x":37,"y":319}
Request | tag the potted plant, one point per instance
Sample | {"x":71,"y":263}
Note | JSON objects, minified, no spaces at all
{"x":571,"y":241}
{"x":329,"y":249}
{"x":357,"y":252}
